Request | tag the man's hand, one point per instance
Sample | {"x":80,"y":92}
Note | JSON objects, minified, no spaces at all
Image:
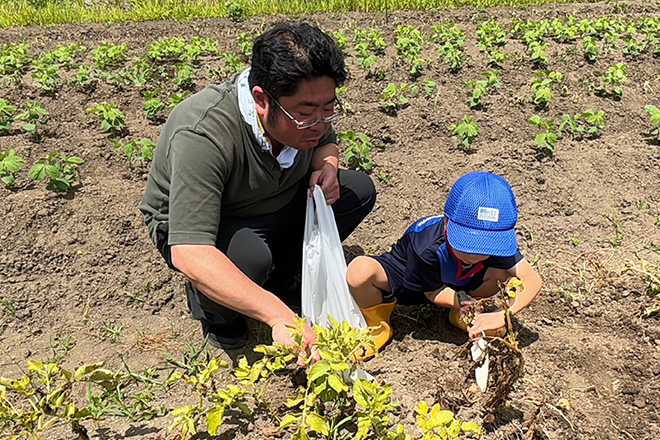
{"x":282,"y":335}
{"x":484,"y":322}
{"x":326,"y":178}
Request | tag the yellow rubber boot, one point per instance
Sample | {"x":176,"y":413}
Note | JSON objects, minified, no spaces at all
{"x":378,"y":320}
{"x":456,"y":321}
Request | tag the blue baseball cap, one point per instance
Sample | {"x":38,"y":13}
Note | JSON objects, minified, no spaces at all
{"x":481,"y":214}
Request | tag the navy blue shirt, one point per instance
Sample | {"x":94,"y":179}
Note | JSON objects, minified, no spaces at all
{"x":427,"y":263}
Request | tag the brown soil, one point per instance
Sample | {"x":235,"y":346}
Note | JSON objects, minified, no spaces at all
{"x":66,"y":261}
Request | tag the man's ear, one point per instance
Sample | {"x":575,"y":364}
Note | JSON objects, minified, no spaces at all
{"x":261,"y":100}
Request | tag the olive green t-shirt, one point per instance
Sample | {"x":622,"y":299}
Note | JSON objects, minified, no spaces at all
{"x":208,"y":162}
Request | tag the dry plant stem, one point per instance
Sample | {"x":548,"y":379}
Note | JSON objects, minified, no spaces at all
{"x":621,"y":430}
{"x":561,"y":414}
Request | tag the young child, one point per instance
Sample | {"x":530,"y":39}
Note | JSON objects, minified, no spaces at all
{"x":443,"y":258}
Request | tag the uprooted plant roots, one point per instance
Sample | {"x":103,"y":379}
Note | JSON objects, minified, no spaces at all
{"x":505,"y":361}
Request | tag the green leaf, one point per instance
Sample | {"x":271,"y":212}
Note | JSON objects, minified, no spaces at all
{"x":53,"y":171}
{"x":337,"y":384}
{"x":8,"y":180}
{"x":441,"y":417}
{"x":35,"y":365}
{"x":214,"y":419}
{"x":540,"y":139}
{"x":318,"y":423}
{"x":86,"y":369}
{"x":244,"y":408}
{"x":289,"y":419}
{"x":319,"y":369}
{"x":292,"y":402}
{"x":100,"y":375}
{"x":471,"y":427}
{"x":74,"y":160}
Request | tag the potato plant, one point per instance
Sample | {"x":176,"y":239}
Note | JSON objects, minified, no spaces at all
{"x":542,"y":86}
{"x":14,"y":60}
{"x":450,"y":40}
{"x":137,"y":153}
{"x":409,"y":43}
{"x":394,"y":97}
{"x":588,"y":123}
{"x":477,"y":89}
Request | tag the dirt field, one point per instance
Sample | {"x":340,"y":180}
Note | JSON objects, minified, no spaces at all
{"x":586,"y":213}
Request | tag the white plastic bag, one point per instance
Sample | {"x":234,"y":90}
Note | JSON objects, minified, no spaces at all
{"x":324,"y":288}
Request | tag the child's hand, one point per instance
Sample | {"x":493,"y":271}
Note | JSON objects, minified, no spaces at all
{"x":466,"y":303}
{"x":483,"y":322}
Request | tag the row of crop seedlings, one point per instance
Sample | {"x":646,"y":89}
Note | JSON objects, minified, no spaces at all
{"x":602,"y":36}
{"x":173,"y":63}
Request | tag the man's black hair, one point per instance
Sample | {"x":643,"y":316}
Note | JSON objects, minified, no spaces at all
{"x":288,"y":54}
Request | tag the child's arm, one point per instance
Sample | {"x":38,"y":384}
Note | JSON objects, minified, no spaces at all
{"x":532,"y":285}
{"x":444,"y":297}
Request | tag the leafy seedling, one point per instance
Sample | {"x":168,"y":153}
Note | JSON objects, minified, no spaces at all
{"x":477,"y":89}
{"x":465,"y":131}
{"x":34,"y":116}
{"x":357,"y":152}
{"x":6,"y":116}
{"x":590,"y":48}
{"x":112,"y":119}
{"x":547,"y":138}
{"x":655,"y":120}
{"x":175,"y":99}
{"x":395,"y":99}
{"x":58,"y":168}
{"x":542,"y":86}
{"x":588,"y":122}
{"x":153,"y":106}
{"x":613,"y":81}
{"x":137,"y":152}
{"x":14,"y":60}
{"x":10,"y":164}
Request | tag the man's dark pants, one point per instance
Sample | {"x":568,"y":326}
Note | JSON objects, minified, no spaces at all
{"x":268,"y":248}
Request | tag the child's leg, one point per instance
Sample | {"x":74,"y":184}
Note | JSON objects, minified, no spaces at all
{"x":366,"y":280}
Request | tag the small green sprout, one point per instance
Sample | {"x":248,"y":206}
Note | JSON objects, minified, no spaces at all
{"x":34,"y":116}
{"x":357,"y":152}
{"x":613,"y":81}
{"x":112,"y":119}
{"x":465,"y":131}
{"x":655,"y":120}
{"x":113,"y":330}
{"x":10,"y":164}
{"x":546,"y":139}
{"x":60,"y":169}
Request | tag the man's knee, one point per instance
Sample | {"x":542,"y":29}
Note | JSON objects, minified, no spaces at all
{"x":250,"y":253}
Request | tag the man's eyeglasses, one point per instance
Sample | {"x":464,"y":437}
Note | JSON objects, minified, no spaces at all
{"x":301,"y":125}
